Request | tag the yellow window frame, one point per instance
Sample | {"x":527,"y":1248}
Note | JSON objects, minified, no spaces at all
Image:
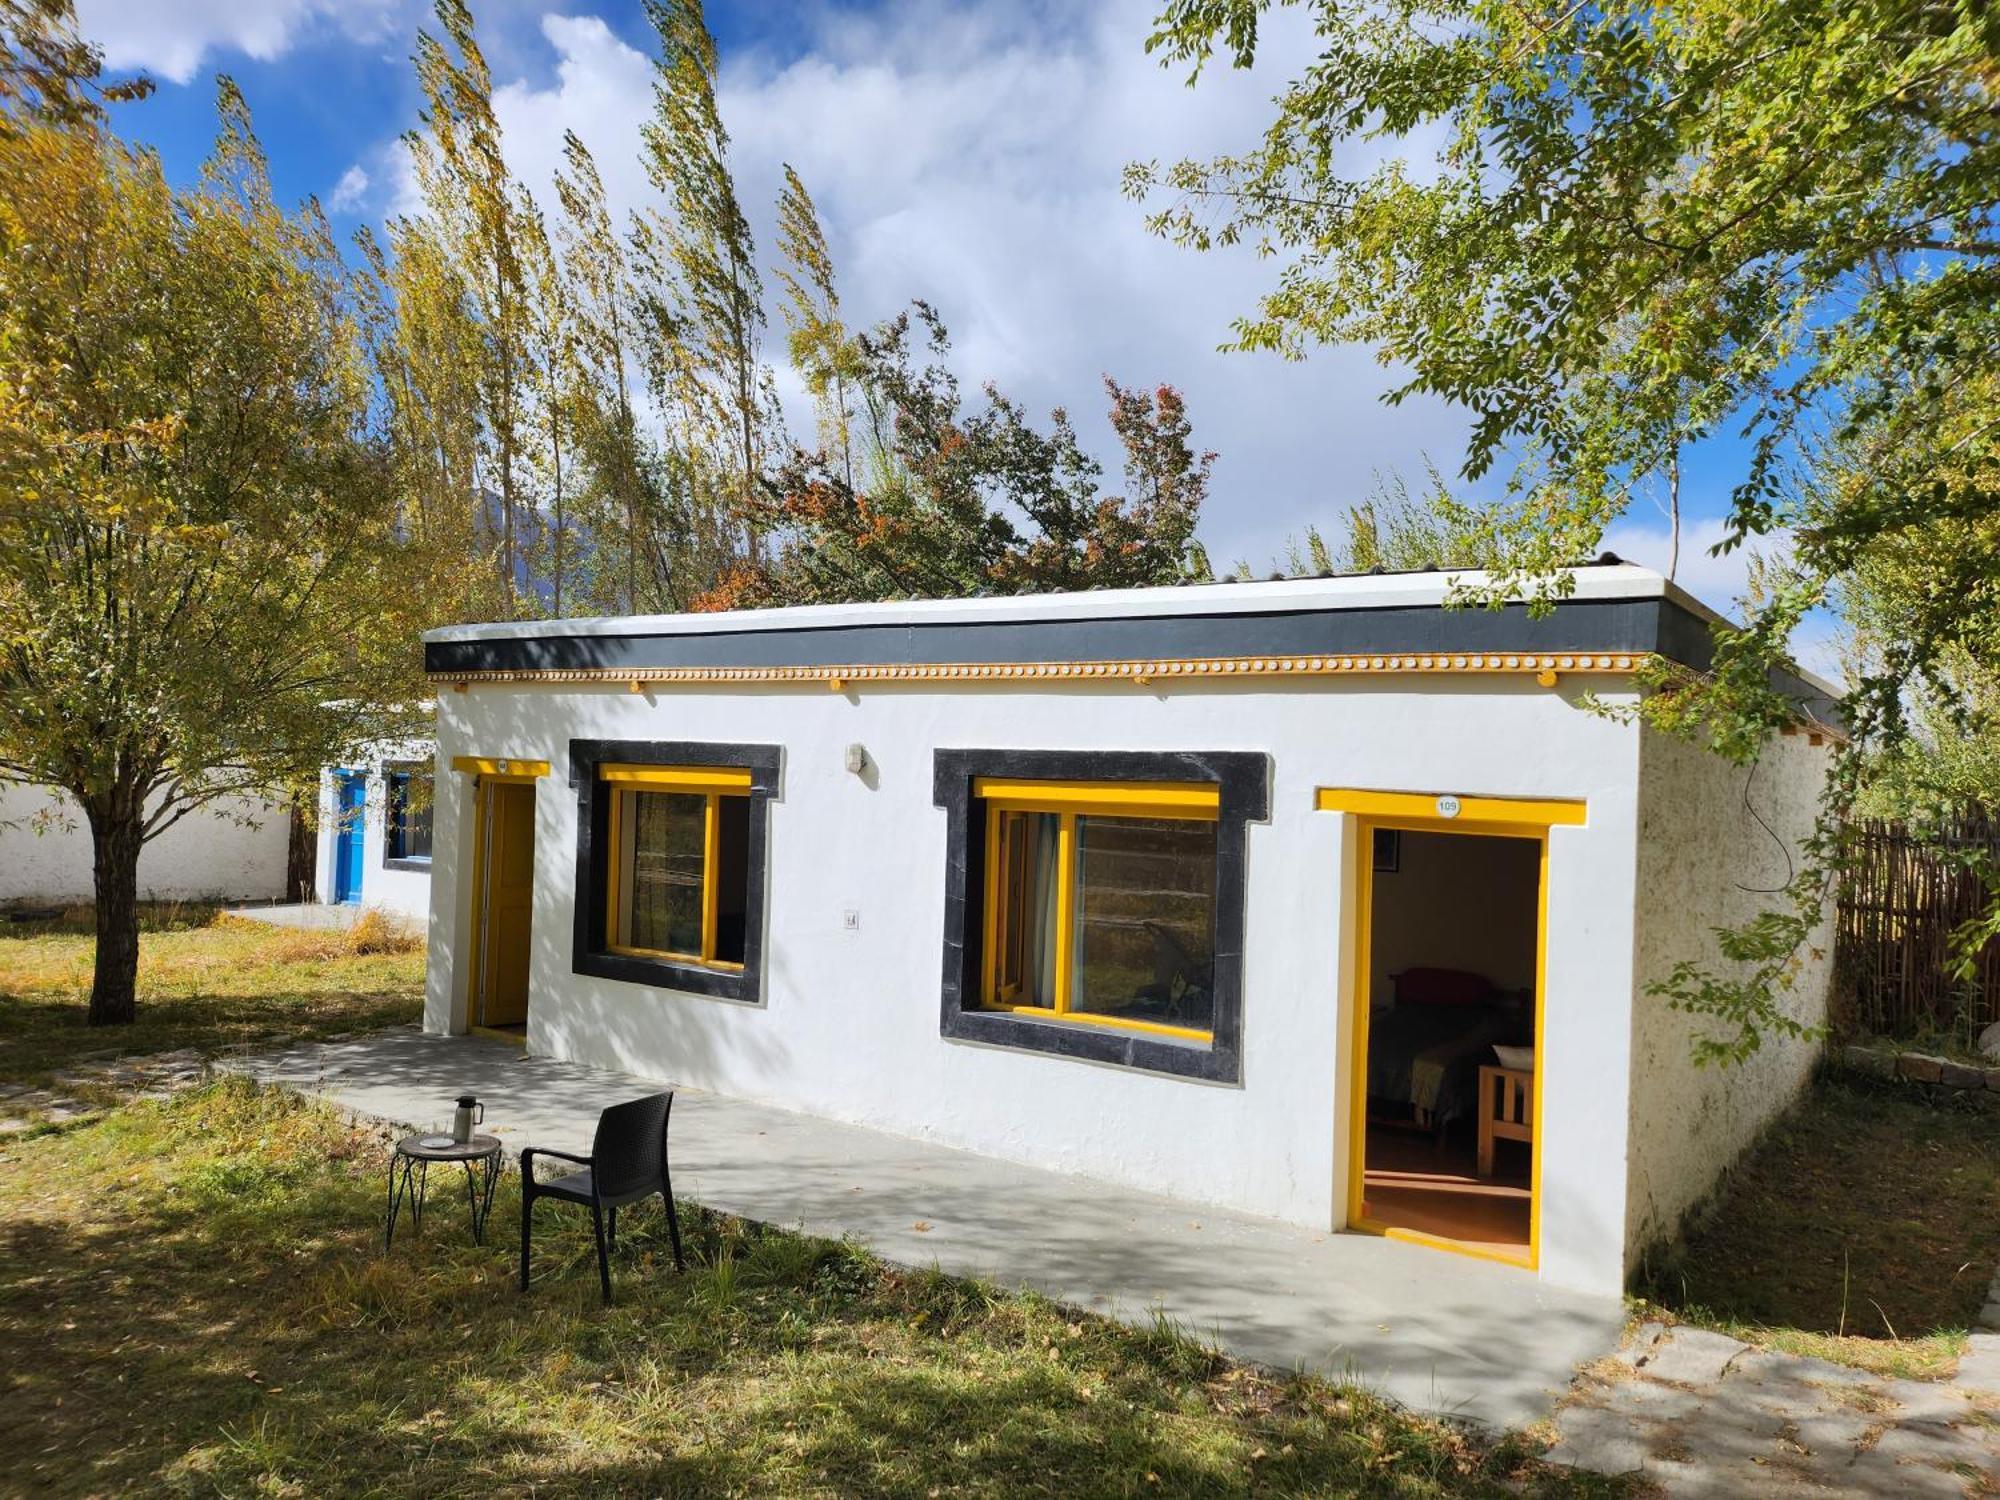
{"x":1006,"y":889}
{"x":712,"y":784}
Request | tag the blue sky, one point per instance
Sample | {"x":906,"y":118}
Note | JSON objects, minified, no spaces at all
{"x":964,"y":151}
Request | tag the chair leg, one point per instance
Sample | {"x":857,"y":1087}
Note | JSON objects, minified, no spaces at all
{"x":673,"y":1226}
{"x":611,"y":1226}
{"x":603,"y":1259}
{"x":527,"y":1221}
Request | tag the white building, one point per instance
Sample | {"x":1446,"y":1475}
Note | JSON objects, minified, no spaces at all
{"x":1226,"y":892}
{"x":232,"y":850}
{"x":375,"y":829}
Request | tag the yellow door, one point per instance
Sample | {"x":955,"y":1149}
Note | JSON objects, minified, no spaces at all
{"x":507,"y":897}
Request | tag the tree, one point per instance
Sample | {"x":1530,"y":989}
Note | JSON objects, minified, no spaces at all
{"x":428,"y":356}
{"x":557,"y":395}
{"x":962,"y":502}
{"x":706,"y":298}
{"x":1397,"y":532}
{"x":473,"y":209}
{"x":823,"y":352}
{"x":599,"y":275}
{"x":1766,"y":223}
{"x":200,"y":561}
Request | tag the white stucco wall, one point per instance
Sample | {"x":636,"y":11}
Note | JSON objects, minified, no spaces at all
{"x":849,"y":1027}
{"x":1706,"y":861}
{"x":404,"y":892}
{"x":234,"y":850}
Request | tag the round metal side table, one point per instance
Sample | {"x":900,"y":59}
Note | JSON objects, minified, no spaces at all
{"x":409,"y":1172}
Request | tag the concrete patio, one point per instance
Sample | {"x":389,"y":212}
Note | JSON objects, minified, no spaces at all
{"x":1437,"y":1332}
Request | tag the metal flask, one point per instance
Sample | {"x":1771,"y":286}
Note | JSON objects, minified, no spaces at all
{"x":470,"y":1112}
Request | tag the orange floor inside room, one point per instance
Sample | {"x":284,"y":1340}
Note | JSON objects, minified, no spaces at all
{"x":1414,"y":1183}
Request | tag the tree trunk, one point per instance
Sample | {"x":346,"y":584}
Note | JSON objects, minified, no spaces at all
{"x":116,"y":838}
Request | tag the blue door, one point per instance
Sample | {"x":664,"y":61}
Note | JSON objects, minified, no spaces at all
{"x":350,"y":798}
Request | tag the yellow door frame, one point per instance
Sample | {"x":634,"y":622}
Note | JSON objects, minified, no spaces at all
{"x":1433,"y":812}
{"x":484,"y":770}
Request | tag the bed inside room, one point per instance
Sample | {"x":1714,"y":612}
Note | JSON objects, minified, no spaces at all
{"x":1451,"y":1036}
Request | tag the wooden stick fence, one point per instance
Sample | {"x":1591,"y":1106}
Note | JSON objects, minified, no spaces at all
{"x":1903,"y":895}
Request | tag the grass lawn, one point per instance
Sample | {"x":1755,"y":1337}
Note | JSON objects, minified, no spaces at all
{"x":205,"y":981}
{"x":1865,"y":1228}
{"x":193,"y":1297}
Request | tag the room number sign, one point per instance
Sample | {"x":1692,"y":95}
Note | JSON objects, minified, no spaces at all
{"x":1447,"y":807}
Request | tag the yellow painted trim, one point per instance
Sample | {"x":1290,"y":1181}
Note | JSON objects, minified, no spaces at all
{"x":711,"y":863}
{"x":626,"y":950}
{"x":1065,"y":912}
{"x":1129,"y":799}
{"x":477,"y":903}
{"x":679,"y":778}
{"x":1151,"y":673}
{"x":991,"y":936}
{"x":498,"y":769}
{"x":1491,"y":816}
{"x":1444,"y":1242}
{"x":1423,"y":807}
{"x":614,"y":861}
{"x":711,"y":783}
{"x":1099,"y":1018}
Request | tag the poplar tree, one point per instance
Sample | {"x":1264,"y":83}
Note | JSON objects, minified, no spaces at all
{"x":824,"y":354}
{"x":556,"y":375}
{"x":469,"y":197}
{"x":708,"y":299}
{"x":595,"y":259}
{"x":427,"y":353}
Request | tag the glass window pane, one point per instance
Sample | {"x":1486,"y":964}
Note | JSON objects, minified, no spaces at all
{"x":732,"y":877}
{"x":661,"y":858}
{"x":1025,"y":911}
{"x":1145,"y":920}
{"x":417,"y":838}
{"x":395,"y":813}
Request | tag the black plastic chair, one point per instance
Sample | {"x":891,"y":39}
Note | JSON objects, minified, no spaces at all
{"x":627,"y":1162}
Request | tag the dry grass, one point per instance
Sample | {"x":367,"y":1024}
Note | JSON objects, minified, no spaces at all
{"x":205,"y":981}
{"x":194,"y":1299}
{"x":1864,"y":1229}
{"x":374,"y":933}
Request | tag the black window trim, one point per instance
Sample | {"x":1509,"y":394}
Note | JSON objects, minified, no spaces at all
{"x":1243,"y":779}
{"x":416,"y":864}
{"x":589,"y":949}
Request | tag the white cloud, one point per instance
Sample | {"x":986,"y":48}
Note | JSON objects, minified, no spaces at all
{"x":971,"y":155}
{"x":351,"y":191}
{"x":1719,"y":582}
{"x":171,"y":38}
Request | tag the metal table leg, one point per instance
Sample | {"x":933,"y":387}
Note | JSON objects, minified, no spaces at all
{"x":479,"y":1192}
{"x":408,"y":1180}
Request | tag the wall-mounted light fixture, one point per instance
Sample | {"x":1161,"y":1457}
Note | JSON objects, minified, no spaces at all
{"x":857,"y":758}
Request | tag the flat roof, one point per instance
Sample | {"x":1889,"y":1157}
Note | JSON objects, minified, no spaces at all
{"x":1345,"y":591}
{"x":1615,"y":615}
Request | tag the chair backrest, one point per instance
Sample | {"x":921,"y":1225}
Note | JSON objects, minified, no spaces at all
{"x":630,"y":1151}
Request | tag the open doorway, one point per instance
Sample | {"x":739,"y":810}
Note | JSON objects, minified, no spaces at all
{"x":1449,"y":966}
{"x":503,"y":900}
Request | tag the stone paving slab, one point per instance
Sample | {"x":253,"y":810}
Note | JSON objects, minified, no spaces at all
{"x":1436,"y":1332}
{"x":1697,"y":1413}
